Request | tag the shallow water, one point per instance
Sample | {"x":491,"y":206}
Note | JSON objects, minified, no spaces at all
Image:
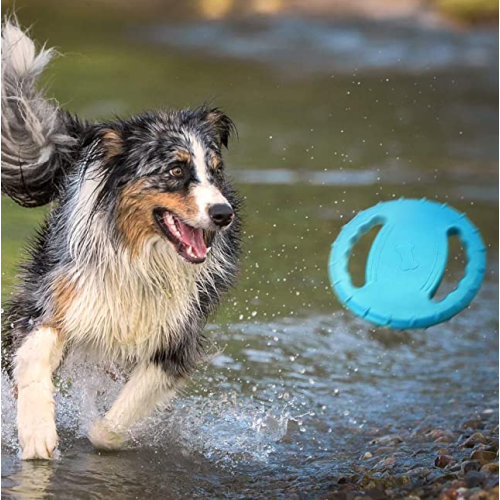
{"x":300,"y":388}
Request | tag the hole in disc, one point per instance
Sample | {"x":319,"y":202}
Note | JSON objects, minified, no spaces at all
{"x":455,"y":268}
{"x":359,"y":256}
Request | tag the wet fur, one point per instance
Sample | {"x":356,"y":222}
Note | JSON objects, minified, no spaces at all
{"x":100,"y":277}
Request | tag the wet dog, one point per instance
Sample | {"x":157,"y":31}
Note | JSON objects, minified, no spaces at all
{"x":140,"y":243}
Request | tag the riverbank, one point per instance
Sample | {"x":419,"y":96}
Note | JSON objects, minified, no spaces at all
{"x":465,"y":465}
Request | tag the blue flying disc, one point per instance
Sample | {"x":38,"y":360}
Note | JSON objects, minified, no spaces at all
{"x":406,"y":264}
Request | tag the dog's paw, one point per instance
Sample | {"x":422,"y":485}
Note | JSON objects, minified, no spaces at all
{"x":38,"y":441}
{"x":36,"y":426}
{"x":104,"y":437}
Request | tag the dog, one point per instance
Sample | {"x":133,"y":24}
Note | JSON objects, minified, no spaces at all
{"x":141,"y":242}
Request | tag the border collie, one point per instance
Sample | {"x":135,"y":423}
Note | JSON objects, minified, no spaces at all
{"x":141,"y":241}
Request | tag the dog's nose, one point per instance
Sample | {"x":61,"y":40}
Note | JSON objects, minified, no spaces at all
{"x":221,"y":214}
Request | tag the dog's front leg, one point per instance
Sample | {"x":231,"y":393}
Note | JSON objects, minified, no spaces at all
{"x":35,"y":361}
{"x":148,"y":386}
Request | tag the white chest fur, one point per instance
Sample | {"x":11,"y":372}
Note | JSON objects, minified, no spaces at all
{"x":128,"y":308}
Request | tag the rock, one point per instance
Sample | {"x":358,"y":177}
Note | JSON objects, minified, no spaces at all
{"x":483,"y":456}
{"x":419,"y":472}
{"x":445,"y":439}
{"x":375,"y":494}
{"x":492,"y":482}
{"x":367,"y":455}
{"x":418,"y":452}
{"x":387,"y":463}
{"x":473,"y":479}
{"x":437,"y":476}
{"x":443,"y":451}
{"x":492,"y":445}
{"x":443,"y":460}
{"x":384,"y":450}
{"x":469,"y":465}
{"x":474,"y":439}
{"x":385,"y":440}
{"x":441,"y":436}
{"x":454,"y":467}
{"x":472,"y":424}
{"x":491,"y":468}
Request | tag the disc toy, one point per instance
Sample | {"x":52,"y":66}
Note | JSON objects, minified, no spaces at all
{"x":406,"y":263}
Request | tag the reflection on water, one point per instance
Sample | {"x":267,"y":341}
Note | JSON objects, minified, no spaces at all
{"x":333,"y":117}
{"x":342,"y":47}
{"x":31,"y":480}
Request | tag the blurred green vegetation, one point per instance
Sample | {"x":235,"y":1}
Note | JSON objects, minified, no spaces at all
{"x":470,"y":10}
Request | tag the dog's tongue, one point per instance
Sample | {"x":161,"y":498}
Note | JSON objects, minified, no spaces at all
{"x":193,"y":238}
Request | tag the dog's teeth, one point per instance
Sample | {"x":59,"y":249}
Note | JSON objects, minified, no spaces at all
{"x":208,"y":250}
{"x":190,"y":252}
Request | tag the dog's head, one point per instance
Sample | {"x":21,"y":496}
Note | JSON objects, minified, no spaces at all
{"x":164,"y":176}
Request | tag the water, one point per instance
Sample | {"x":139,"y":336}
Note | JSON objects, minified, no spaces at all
{"x":299,"y":388}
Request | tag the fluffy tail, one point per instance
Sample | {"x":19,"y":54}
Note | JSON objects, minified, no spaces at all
{"x":36,"y":143}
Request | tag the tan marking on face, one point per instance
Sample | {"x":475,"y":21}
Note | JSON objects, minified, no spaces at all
{"x":135,"y":212}
{"x":215,"y":161}
{"x":112,"y":143}
{"x":64,"y":293}
{"x":182,"y":156}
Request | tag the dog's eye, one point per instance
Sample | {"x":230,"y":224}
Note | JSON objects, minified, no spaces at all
{"x":176,"y":172}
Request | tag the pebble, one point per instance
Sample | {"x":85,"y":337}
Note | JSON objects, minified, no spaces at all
{"x":389,"y":439}
{"x":419,"y":471}
{"x":492,"y":445}
{"x":491,"y":468}
{"x":438,"y":435}
{"x":469,"y":465}
{"x":443,"y":460}
{"x":384,"y":450}
{"x":473,"y":479}
{"x":443,"y":451}
{"x":445,"y":439}
{"x":472,"y":424}
{"x":483,"y":456}
{"x":388,"y":462}
{"x":474,"y":439}
{"x":367,"y":455}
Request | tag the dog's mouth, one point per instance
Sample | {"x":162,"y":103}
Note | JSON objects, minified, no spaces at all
{"x":191,"y":243}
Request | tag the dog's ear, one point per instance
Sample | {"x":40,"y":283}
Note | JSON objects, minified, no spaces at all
{"x":222,"y":125}
{"x":112,"y":143}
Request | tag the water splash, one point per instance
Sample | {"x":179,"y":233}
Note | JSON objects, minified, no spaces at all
{"x":222,"y":428}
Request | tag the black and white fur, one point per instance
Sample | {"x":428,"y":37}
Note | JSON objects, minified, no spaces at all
{"x":105,"y":273}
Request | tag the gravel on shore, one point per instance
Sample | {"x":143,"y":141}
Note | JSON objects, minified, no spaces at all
{"x":426,"y":463}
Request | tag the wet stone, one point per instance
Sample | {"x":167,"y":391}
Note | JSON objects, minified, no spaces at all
{"x":473,"y":479}
{"x":443,"y":451}
{"x":491,"y":468}
{"x":470,"y":465}
{"x":385,"y":440}
{"x":476,"y":438}
{"x":438,"y":476}
{"x":384,"y":450}
{"x":492,"y":445}
{"x":483,"y":456}
{"x":454,"y":467}
{"x":419,"y":471}
{"x":445,"y":439}
{"x":386,"y":463}
{"x":472,"y":424}
{"x":443,"y":460}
